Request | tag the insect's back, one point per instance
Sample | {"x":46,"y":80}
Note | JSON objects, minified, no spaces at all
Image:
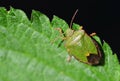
{"x":80,"y":45}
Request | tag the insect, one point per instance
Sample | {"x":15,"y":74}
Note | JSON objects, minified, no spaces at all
{"x":82,"y":46}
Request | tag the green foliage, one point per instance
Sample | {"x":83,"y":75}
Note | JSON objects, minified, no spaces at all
{"x":26,"y":52}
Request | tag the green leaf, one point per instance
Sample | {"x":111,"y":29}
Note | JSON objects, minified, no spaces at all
{"x":27,"y":54}
{"x":58,"y":23}
{"x":75,"y":26}
{"x":40,"y":23}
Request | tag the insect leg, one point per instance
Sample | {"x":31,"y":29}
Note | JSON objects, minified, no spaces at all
{"x":61,"y":32}
{"x":93,"y":34}
{"x":69,"y":58}
{"x":62,"y":36}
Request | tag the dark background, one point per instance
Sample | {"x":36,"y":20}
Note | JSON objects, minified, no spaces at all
{"x":100,"y":16}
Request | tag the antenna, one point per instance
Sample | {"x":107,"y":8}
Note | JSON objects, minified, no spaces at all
{"x":73,"y":17}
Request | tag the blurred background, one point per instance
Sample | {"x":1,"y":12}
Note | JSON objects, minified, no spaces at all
{"x":100,"y":16}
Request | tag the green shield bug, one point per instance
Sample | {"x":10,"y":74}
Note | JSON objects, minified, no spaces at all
{"x":82,"y":46}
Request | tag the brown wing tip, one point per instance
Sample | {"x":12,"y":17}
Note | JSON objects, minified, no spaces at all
{"x":93,"y":59}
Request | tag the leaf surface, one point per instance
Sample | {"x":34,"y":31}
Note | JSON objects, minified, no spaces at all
{"x":27,"y":54}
